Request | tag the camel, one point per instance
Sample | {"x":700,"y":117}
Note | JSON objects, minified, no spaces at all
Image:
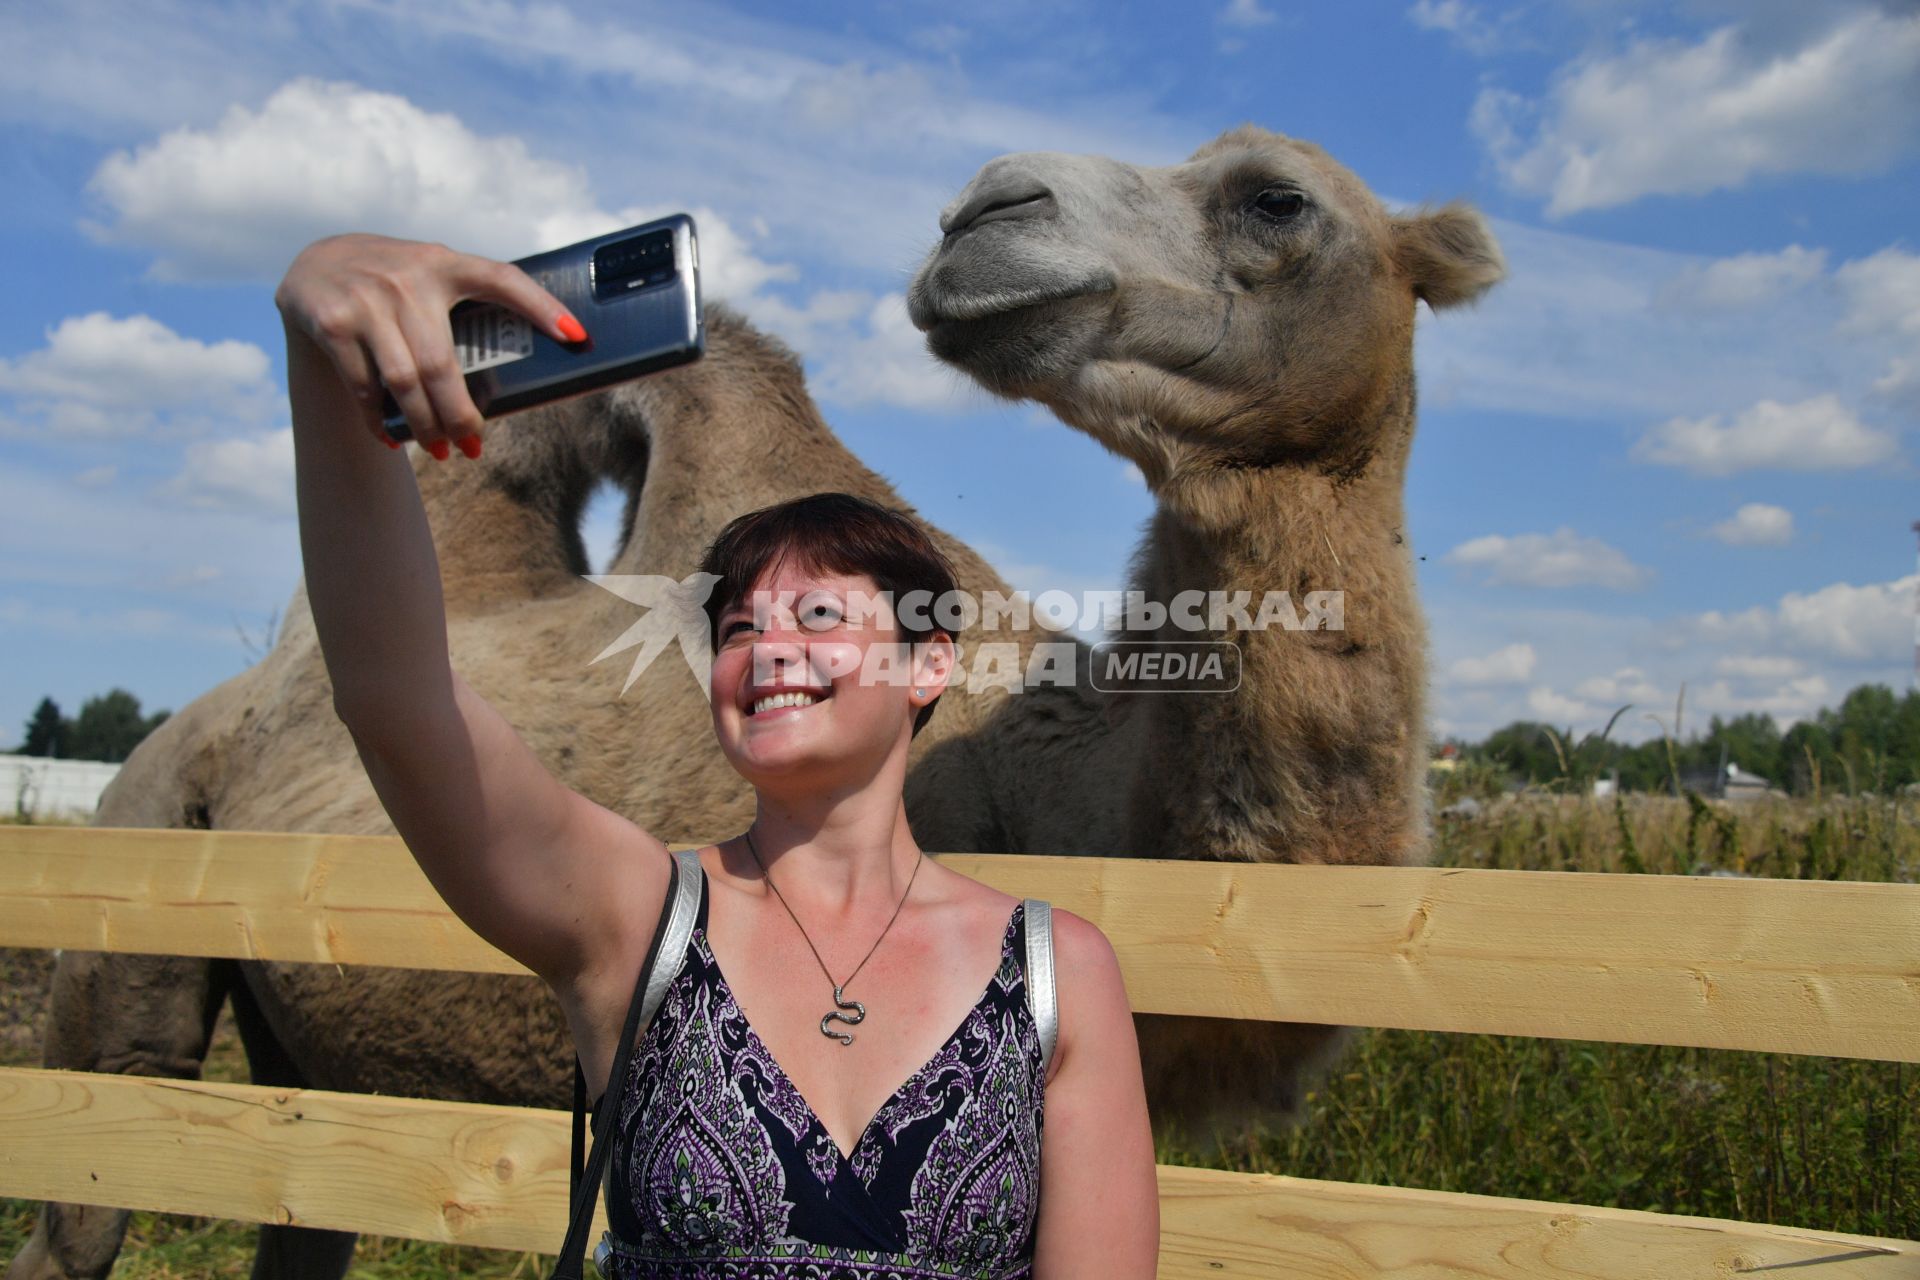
{"x":1239,"y":326}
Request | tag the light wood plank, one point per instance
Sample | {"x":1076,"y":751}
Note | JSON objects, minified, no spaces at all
{"x":496,"y":1176}
{"x":1768,"y":965}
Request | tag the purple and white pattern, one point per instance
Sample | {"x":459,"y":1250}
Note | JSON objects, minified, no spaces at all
{"x":720,"y":1167}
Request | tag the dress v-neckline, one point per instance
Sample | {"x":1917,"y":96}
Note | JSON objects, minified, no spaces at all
{"x":813,"y":1117}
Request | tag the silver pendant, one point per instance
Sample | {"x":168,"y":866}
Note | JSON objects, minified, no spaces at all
{"x":844,"y":1037}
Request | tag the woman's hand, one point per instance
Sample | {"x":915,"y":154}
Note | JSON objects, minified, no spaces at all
{"x":378,"y":308}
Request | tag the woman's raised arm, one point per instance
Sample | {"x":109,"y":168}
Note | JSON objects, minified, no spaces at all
{"x":537,"y":870}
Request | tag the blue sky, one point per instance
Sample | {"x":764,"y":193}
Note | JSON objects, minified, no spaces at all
{"x":1676,"y":445}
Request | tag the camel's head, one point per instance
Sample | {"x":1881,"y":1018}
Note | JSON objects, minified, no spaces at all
{"x":1253,"y":304}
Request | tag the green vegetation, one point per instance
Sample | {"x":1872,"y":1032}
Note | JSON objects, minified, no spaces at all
{"x":1869,"y":743}
{"x":1801,"y":1141}
{"x":108,"y":728}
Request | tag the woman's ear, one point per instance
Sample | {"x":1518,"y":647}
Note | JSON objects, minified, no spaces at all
{"x":1448,"y":253}
{"x":933,"y":660}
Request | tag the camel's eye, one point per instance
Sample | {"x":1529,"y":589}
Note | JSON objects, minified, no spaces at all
{"x":1279,"y":204}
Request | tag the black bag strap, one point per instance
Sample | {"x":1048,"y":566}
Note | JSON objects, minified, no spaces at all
{"x":646,"y":990}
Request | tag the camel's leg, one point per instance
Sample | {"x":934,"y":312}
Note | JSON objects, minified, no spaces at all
{"x":285,"y":1253}
{"x":1212,"y":1083}
{"x":128,"y":1015}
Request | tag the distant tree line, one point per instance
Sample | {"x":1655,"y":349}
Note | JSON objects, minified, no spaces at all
{"x":1870,"y":743}
{"x":108,"y":728}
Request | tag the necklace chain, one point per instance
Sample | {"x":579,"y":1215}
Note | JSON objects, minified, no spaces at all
{"x":844,"y":1037}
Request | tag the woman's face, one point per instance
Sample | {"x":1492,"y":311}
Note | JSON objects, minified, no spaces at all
{"x":812,"y":681}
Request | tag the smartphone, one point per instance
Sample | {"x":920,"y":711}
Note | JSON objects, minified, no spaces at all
{"x":635,"y":291}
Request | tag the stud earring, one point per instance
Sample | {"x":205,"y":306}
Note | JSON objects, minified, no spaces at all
{"x":919,"y":693}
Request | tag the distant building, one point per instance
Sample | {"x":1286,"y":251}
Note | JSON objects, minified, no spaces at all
{"x":1729,"y":783}
{"x":40,"y":787}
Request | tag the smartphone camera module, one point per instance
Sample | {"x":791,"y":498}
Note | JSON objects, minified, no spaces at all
{"x":625,"y":266}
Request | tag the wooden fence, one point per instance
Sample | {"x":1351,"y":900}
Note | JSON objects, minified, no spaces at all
{"x":1763,"y":965}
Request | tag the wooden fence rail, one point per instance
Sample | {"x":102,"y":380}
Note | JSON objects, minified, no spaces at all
{"x":1784,"y":966}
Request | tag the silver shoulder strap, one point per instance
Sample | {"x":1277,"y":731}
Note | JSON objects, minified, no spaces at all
{"x":1040,"y":992}
{"x":673,"y":943}
{"x":682,"y":911}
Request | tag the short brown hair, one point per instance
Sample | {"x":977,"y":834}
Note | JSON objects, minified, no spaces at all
{"x":828,"y":533}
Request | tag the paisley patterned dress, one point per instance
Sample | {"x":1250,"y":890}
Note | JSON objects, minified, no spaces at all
{"x":720,"y":1168}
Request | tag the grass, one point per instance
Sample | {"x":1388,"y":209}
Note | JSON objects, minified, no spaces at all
{"x":1819,"y":1143}
{"x":1822,"y":1144}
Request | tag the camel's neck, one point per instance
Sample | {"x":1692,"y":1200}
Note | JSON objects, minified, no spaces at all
{"x":1322,"y":523}
{"x":733,"y":431}
{"x":1330,"y":679}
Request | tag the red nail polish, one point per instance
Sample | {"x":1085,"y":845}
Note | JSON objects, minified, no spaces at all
{"x":391,"y":442}
{"x":570,"y":329}
{"x":440,"y":451}
{"x":469,"y":445}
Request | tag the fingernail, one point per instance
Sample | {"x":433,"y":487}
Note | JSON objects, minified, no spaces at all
{"x":439,"y":450}
{"x":391,"y":442}
{"x":570,"y":329}
{"x":469,"y":445}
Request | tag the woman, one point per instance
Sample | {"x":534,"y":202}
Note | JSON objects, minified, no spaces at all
{"x":801,"y":1138}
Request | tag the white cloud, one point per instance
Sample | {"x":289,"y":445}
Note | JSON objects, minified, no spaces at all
{"x":1786,"y":658}
{"x":1245,"y":13}
{"x":246,"y":474}
{"x":1590,"y":329}
{"x":1546,"y":704}
{"x":1883,"y":293}
{"x":1756,"y":524}
{"x":1744,"y":666}
{"x":862,"y":349}
{"x":91,"y":624}
{"x":1511,"y":665}
{"x":238,"y":200}
{"x":1628,"y":684}
{"x":1562,"y":558}
{"x":97,"y":68}
{"x":104,"y":375}
{"x":1466,"y":24}
{"x":1871,"y":622}
{"x":1883,"y":302}
{"x":1668,"y":117}
{"x":846,"y":148}
{"x":1745,"y":280}
{"x":1820,"y":434}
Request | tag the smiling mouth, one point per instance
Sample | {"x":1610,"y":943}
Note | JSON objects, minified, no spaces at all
{"x":789,"y":700}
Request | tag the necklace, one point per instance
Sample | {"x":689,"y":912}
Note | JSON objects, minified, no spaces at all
{"x":839,"y":998}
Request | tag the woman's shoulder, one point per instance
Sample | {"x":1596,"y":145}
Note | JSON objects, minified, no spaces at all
{"x":1080,"y":946}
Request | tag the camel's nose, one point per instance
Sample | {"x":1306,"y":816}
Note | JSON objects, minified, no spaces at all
{"x":1001,"y":190}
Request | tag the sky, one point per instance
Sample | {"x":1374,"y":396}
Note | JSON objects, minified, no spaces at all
{"x":1674,"y":448}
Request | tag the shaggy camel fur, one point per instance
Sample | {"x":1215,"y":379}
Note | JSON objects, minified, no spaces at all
{"x":1240,"y":327}
{"x":1275,"y":446}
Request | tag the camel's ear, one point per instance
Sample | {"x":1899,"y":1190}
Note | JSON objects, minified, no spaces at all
{"x":1449,"y":254}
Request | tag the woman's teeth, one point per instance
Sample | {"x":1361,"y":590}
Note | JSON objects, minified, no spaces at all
{"x":773,"y":702}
